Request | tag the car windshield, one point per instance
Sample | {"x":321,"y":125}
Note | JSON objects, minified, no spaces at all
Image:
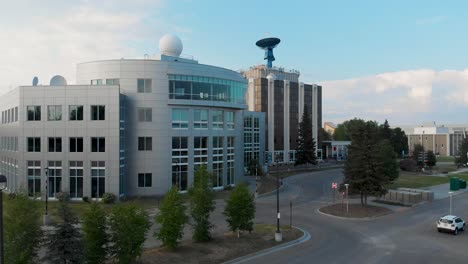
{"x":446,"y":221}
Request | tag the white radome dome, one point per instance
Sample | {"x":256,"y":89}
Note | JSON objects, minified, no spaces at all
{"x":170,"y":45}
{"x":58,"y":80}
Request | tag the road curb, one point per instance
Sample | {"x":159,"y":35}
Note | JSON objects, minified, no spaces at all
{"x":305,"y":237}
{"x":353,"y":218}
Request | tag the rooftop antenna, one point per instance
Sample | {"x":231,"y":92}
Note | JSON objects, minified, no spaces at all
{"x":268,"y":44}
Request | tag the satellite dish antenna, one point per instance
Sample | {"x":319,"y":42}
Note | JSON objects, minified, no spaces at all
{"x":268,"y":44}
{"x":35,"y":81}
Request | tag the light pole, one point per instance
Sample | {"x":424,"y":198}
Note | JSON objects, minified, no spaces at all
{"x":450,"y":194}
{"x":46,"y":215}
{"x":3,"y":183}
{"x":347,"y":202}
{"x":278,"y":235}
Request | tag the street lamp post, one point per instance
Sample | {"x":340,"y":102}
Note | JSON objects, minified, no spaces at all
{"x":3,"y":182}
{"x":450,"y":210}
{"x":46,"y":215}
{"x":278,"y":235}
{"x":347,"y":202}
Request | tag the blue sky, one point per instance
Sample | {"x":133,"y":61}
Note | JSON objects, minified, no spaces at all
{"x":400,"y":60}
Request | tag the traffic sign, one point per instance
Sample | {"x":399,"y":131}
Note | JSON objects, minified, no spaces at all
{"x":334,"y":185}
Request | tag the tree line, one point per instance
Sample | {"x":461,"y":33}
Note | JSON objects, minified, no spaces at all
{"x":119,"y":234}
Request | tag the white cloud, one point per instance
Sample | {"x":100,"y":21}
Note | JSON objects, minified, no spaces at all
{"x":50,"y":37}
{"x":402,"y":97}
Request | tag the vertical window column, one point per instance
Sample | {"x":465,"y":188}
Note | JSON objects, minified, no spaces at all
{"x":218,"y":161}
{"x":54,"y":184}
{"x":180,"y":162}
{"x":76,"y":179}
{"x":98,"y":178}
{"x":230,"y":161}
{"x":34,"y":178}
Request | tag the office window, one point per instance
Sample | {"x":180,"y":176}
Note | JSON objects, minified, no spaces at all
{"x":55,"y":144}
{"x":96,"y":82}
{"x":145,"y":114}
{"x":54,"y":184}
{"x":217,"y":119}
{"x":200,"y":118}
{"x":112,"y":81}
{"x":76,"y":179}
{"x":179,"y":118}
{"x":54,"y":112}
{"x":144,"y":85}
{"x":16,"y":114}
{"x":76,"y":144}
{"x":33,"y":112}
{"x":145,"y":179}
{"x":98,"y":144}
{"x":98,"y":112}
{"x":76,"y":112}
{"x":145,"y":143}
{"x":230,"y":120}
{"x":218,"y":160}
{"x":98,"y":178}
{"x":200,"y":151}
{"x":34,"y":178}
{"x":34,"y":144}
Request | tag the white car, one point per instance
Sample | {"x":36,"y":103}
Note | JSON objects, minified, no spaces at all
{"x":451,"y":223}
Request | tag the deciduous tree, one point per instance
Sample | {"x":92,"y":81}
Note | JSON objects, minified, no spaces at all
{"x":171,"y":219}
{"x":22,"y":229}
{"x":95,"y":235}
{"x":240,"y":210}
{"x":129,"y":225}
{"x":202,"y":204}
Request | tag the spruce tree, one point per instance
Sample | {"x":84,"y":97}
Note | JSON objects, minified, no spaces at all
{"x":240,"y":210}
{"x":171,"y":218}
{"x":371,"y":164}
{"x":22,"y":229}
{"x":417,"y":152}
{"x":306,"y":144}
{"x":95,"y":236}
{"x":386,"y":131}
{"x":65,"y":243}
{"x":201,"y":204}
{"x":431,"y":159}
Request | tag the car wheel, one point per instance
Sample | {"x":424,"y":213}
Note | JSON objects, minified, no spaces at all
{"x":455,"y":232}
{"x":463,"y":228}
{"x":438,"y":230}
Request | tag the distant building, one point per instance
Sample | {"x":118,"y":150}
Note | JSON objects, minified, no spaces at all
{"x":279,"y":94}
{"x":329,"y":127}
{"x":443,"y":140}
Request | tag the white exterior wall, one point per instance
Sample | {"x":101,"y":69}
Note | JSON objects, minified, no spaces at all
{"x":158,"y":161}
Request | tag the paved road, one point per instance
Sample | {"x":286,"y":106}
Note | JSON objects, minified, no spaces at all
{"x":408,"y":236}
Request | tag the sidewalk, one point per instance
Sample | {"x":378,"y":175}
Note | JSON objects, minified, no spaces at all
{"x":441,"y":191}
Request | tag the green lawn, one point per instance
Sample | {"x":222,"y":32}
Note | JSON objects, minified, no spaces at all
{"x":407,"y":180}
{"x":445,"y":159}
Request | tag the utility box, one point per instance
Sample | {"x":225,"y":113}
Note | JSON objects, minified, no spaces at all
{"x":454,"y":184}
{"x":462,"y":184}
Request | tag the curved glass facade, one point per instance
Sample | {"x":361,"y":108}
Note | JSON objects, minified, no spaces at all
{"x":187,"y":87}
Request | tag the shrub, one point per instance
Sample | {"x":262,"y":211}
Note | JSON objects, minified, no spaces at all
{"x":85,"y":199}
{"x":62,"y":196}
{"x":11,"y":196}
{"x":171,"y":219}
{"x":408,"y":165}
{"x":108,"y":198}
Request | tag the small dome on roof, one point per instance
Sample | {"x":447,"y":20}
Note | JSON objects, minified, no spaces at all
{"x":58,"y":80}
{"x":170,"y":45}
